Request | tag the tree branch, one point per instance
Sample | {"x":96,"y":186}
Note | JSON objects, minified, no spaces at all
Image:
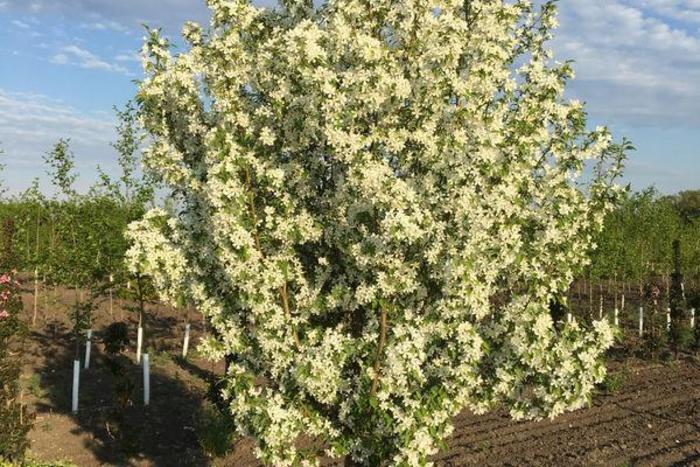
{"x":380,"y":350}
{"x":282,"y":290}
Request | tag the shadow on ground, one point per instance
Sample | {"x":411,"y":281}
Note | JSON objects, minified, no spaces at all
{"x":161,"y":434}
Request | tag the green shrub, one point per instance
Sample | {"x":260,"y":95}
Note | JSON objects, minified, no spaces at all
{"x":15,"y":421}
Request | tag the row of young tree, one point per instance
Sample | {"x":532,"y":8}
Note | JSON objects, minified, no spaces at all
{"x":69,"y":241}
{"x":57,"y":234}
{"x":636,"y":244}
{"x":76,"y":240}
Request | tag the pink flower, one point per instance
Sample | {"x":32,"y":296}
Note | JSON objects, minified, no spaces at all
{"x":4,"y":314}
{"x":4,"y":279}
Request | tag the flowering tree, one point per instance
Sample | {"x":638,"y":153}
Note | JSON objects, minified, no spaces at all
{"x":376,"y":203}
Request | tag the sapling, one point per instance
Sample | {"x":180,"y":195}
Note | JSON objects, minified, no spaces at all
{"x":36,"y":294}
{"x":142,"y":359}
{"x":681,"y":334}
{"x":81,"y":255}
{"x":141,"y":293}
{"x":35,"y":200}
{"x":60,"y":161}
{"x":655,"y":337}
{"x":135,"y":188}
{"x":116,"y":341}
{"x":141,"y":311}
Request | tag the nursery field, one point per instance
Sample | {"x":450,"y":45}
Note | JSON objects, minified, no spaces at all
{"x":647,"y":413}
{"x":333,"y":227}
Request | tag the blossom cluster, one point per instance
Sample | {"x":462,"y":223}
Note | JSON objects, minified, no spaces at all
{"x":374,"y":208}
{"x":8,"y":294}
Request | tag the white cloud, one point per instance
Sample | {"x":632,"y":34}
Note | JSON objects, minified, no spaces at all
{"x":75,"y":55}
{"x":60,"y":59}
{"x":686,"y":11}
{"x":130,"y":13}
{"x":128,"y":57}
{"x":632,"y":66}
{"x":20,"y":24}
{"x":106,"y":26}
{"x":169,"y":14}
{"x":30,"y":124}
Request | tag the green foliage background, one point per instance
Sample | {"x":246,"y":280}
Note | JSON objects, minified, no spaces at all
{"x":636,"y":243}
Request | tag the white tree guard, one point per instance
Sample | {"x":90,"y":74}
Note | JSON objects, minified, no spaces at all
{"x":76,"y":385}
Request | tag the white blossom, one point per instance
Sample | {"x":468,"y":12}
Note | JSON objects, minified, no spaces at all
{"x":374,"y":211}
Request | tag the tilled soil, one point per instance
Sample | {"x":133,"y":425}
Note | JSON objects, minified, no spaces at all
{"x":653,"y":419}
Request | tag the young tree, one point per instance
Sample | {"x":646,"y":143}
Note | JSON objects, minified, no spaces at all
{"x":137,"y":188}
{"x":681,"y":336}
{"x":61,"y":162}
{"x":72,"y":256}
{"x":377,"y":202}
{"x":31,"y":215}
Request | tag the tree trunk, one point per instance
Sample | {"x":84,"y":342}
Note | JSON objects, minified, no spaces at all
{"x":676,"y":302}
{"x":36,"y":295}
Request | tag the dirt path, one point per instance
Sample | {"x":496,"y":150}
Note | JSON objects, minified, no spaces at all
{"x":652,"y":420}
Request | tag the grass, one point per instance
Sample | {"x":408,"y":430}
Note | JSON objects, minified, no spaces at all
{"x":215,"y":430}
{"x":46,"y":426}
{"x":31,"y":462}
{"x":614,"y":382}
{"x":159,"y":358}
{"x":33,"y":385}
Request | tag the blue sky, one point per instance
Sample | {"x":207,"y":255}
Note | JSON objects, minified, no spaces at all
{"x":65,"y":63}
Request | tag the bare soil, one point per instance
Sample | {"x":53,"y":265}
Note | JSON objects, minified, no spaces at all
{"x":653,"y":419}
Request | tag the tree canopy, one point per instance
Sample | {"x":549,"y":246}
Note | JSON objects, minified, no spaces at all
{"x":376,"y":203}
